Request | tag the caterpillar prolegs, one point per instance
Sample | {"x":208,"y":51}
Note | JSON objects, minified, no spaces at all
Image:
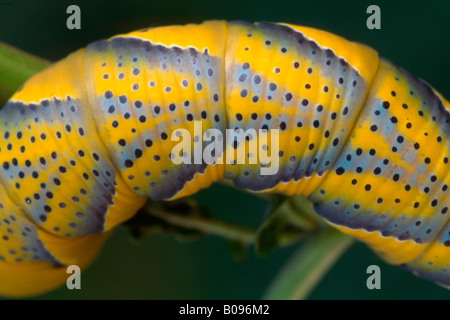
{"x":86,"y":142}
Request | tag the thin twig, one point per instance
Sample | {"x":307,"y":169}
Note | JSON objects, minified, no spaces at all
{"x":210,"y":226}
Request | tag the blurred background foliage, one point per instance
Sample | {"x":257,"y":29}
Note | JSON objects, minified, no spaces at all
{"x":415,"y":35}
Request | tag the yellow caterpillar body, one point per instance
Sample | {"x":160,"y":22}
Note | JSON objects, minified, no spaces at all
{"x":87,"y":141}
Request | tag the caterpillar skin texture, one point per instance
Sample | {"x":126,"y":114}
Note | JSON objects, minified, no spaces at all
{"x":87,"y":141}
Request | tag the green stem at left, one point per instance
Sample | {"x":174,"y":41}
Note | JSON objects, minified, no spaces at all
{"x":16,"y":66}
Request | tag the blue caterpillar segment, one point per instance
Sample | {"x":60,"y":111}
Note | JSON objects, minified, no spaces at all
{"x":141,"y":93}
{"x":396,"y":186}
{"x":86,"y":142}
{"x":305,"y":91}
{"x":48,"y":144}
{"x":20,"y":241}
{"x":86,"y":202}
{"x":433,"y":262}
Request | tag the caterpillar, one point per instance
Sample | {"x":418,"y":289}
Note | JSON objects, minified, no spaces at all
{"x":87,"y":141}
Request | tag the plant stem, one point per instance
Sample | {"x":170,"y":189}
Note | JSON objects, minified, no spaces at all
{"x":16,"y":66}
{"x":210,"y":226}
{"x":308,"y":265}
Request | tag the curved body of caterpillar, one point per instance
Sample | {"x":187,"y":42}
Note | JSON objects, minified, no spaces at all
{"x":84,"y":143}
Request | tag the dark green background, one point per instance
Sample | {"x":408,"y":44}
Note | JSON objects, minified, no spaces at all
{"x":414,"y":35}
